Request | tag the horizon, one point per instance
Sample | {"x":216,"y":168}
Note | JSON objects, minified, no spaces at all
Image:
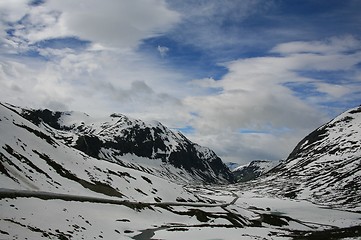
{"x":247,"y":79}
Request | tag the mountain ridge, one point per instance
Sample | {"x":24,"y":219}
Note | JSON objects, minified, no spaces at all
{"x":130,"y":142}
{"x":32,"y":159}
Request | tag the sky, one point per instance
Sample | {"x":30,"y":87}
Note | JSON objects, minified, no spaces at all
{"x":249,"y":78}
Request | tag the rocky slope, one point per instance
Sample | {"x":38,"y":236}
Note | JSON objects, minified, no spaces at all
{"x":149,"y":147}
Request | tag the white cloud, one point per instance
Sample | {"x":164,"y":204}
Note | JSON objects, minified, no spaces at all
{"x":97,"y":82}
{"x":205,"y":83}
{"x":218,"y":25}
{"x":111,"y":23}
{"x":39,"y":24}
{"x":163,"y":51}
{"x":114,"y":23}
{"x":328,"y":46}
{"x":254,"y":95}
{"x":334,"y":90}
{"x":109,"y":73}
{"x":14,"y":10}
{"x":242,"y":148}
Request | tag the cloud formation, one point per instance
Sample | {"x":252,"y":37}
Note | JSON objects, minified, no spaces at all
{"x":205,"y":22}
{"x":163,"y":51}
{"x":256,"y":97}
{"x":109,"y":23}
{"x":266,"y":77}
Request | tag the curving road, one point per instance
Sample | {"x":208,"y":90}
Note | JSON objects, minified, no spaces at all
{"x":12,"y":193}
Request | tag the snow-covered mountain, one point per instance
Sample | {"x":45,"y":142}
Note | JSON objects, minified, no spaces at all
{"x":32,"y":159}
{"x":149,"y":147}
{"x":51,"y":190}
{"x":325,"y":167}
{"x":253,"y":170}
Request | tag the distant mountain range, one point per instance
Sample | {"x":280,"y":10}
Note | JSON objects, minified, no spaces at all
{"x":253,"y":170}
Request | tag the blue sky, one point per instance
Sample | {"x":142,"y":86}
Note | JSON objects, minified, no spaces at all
{"x":248,"y":79}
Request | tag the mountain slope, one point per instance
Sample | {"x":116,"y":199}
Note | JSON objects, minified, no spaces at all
{"x":149,"y":147}
{"x":325,"y":166}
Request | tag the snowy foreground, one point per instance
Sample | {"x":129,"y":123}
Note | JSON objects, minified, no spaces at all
{"x":232,"y":214}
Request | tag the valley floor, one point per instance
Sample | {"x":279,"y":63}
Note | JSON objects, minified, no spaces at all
{"x":228,"y":213}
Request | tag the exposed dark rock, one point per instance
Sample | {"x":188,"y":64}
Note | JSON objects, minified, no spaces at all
{"x":90,"y":145}
{"x":38,"y":116}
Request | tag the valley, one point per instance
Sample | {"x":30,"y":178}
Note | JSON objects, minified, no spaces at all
{"x":234,"y":213}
